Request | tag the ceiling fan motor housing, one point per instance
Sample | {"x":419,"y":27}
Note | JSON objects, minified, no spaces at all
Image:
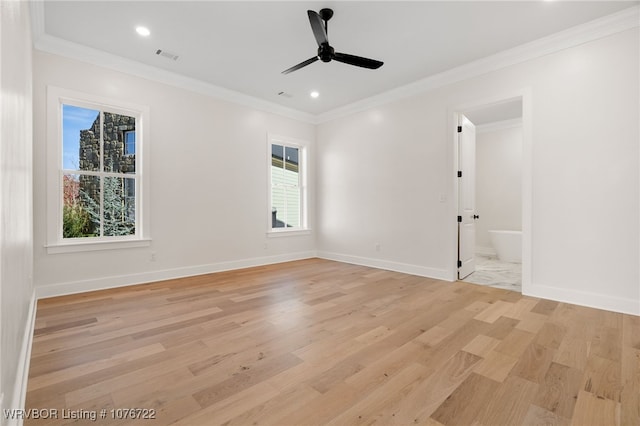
{"x":325,"y":52}
{"x":326,"y":14}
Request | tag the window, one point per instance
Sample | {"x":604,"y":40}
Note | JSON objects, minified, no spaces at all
{"x":95,"y":181}
{"x":287,"y":189}
{"x":129,"y":142}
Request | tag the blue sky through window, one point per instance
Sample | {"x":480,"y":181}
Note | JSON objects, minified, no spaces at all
{"x":74,"y":119}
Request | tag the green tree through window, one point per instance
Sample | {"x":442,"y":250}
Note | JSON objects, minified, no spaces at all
{"x":99,"y":173}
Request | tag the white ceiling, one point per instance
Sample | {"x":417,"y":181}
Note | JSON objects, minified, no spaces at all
{"x":244,"y":46}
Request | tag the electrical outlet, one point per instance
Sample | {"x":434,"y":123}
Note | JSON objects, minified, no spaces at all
{"x":153,"y":256}
{"x":377,"y":246}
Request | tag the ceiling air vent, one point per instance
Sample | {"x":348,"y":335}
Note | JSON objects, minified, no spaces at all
{"x":166,"y":54}
{"x":285,"y":95}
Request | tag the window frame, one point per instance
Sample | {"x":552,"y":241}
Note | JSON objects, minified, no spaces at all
{"x":56,"y":243}
{"x":303,"y":178}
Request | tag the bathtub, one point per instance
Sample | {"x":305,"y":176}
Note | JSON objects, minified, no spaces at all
{"x":508,"y":245}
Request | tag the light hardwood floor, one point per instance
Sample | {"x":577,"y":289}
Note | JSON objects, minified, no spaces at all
{"x":319,"y":342}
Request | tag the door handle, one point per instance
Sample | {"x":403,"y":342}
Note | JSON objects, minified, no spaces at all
{"x":475,"y":216}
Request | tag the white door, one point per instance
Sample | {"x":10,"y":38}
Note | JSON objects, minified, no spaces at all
{"x":466,"y":196}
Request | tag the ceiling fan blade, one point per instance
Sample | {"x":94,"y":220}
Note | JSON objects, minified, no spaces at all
{"x":357,"y":61}
{"x":317,"y":25}
{"x":300,"y":65}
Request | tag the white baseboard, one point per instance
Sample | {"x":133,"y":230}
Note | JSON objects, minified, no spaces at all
{"x":583,"y":298}
{"x":61,"y":289}
{"x":22,"y":372}
{"x":486,"y":251}
{"x":594,"y":300}
{"x":423,"y":271}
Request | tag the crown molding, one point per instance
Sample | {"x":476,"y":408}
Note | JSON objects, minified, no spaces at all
{"x":599,"y":28}
{"x":57,"y":46}
{"x":593,"y":30}
{"x":47,"y":43}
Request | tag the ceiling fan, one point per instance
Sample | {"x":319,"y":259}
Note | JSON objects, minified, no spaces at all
{"x":326,"y":53}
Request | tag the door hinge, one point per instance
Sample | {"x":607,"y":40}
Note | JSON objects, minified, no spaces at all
{"x":459,"y":219}
{"x":459,"y":129}
{"x":459,"y":263}
{"x":459,"y":173}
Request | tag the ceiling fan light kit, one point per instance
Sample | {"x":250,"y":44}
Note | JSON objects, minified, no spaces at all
{"x":326,"y":53}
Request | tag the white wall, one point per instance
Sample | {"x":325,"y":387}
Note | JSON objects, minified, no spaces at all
{"x":16,"y":238}
{"x":380,"y":177}
{"x":208,"y":161}
{"x":386,"y":175}
{"x":385,"y":180}
{"x":498,"y":182}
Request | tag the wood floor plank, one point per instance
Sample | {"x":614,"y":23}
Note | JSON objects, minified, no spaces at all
{"x":140,"y":391}
{"x":109,"y":380}
{"x":170,"y":411}
{"x":57,"y":376}
{"x":376,"y":406}
{"x":559,"y":391}
{"x":496,"y":366}
{"x":378,"y":372}
{"x":510,"y":403}
{"x":537,"y":416}
{"x":521,"y":308}
{"x":534,"y":363}
{"x":284,"y":404}
{"x":247,"y":378}
{"x":340,"y":372}
{"x":449,"y":346}
{"x":545,"y":307}
{"x":495,"y":311}
{"x":230,"y":407}
{"x":592,"y":410}
{"x":318,"y":342}
{"x":434,"y":335}
{"x":502,"y":327}
{"x":602,"y":378}
{"x":419,"y":404}
{"x":631,"y":331}
{"x":531,"y":322}
{"x":481,"y":345}
{"x":67,"y":325}
{"x":515,"y":343}
{"x":573,"y":352}
{"x":550,"y":335}
{"x":463,"y":406}
{"x":322,"y":409}
{"x":607,"y":343}
{"x":630,"y":395}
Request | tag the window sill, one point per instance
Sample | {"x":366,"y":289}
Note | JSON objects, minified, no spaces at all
{"x":287,"y":233}
{"x":75,"y":246}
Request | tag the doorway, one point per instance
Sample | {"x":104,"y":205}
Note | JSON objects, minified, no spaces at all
{"x":490,"y":182}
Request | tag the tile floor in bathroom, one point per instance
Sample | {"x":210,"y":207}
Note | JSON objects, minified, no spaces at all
{"x":493,"y":273}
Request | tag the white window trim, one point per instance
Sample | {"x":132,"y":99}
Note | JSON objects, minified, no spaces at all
{"x":303,"y":147}
{"x":55,"y":243}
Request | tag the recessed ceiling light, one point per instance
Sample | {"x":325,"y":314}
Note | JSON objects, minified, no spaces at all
{"x":314,"y":94}
{"x":143,"y":31}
